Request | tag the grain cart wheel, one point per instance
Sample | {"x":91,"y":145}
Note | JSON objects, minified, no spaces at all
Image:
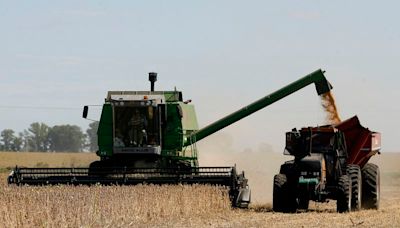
{"x":371,"y":186}
{"x":283,"y":198}
{"x":343,"y":203}
{"x":354,"y":172}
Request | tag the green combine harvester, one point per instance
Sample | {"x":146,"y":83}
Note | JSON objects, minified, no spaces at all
{"x":150,"y":137}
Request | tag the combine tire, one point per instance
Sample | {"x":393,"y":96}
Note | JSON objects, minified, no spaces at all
{"x":343,"y":203}
{"x":97,"y":168}
{"x":371,"y":186}
{"x":354,"y":172}
{"x":283,"y":198}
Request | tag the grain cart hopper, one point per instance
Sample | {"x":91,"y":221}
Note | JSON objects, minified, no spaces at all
{"x":150,"y":137}
{"x":330,"y":162}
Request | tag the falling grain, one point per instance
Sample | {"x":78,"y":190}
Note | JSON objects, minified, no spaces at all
{"x":329,"y":105}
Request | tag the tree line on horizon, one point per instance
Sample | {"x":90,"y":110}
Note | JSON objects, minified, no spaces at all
{"x":40,"y":137}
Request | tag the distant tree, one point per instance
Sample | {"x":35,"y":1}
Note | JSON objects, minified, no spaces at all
{"x":7,"y":139}
{"x":66,"y":138}
{"x":38,"y":140}
{"x":18,"y":143}
{"x":91,"y":133}
{"x":27,"y":141}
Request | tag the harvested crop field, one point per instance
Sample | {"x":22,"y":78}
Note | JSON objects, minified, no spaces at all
{"x":180,"y":206}
{"x":9,"y":160}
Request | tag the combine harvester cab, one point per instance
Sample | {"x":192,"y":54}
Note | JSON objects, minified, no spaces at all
{"x":150,"y":137}
{"x":330,"y":162}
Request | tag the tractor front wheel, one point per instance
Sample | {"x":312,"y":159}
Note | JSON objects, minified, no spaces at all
{"x":304,"y":202}
{"x":284,"y":199}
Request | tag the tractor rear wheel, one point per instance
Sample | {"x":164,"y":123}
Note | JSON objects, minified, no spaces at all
{"x":354,"y":172}
{"x":371,"y":186}
{"x":284,"y":199}
{"x":343,"y":203}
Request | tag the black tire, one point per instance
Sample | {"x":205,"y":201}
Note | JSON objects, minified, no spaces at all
{"x":283,"y":198}
{"x":97,"y":168}
{"x":343,"y":201}
{"x":371,"y":186}
{"x":279,"y":192}
{"x":10,"y":180}
{"x":304,"y":202}
{"x":354,"y":172}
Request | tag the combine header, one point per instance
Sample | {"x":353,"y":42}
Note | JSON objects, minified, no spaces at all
{"x":150,"y":137}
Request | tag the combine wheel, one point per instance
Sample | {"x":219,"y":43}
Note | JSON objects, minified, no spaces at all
{"x":354,"y":172}
{"x":10,"y":180}
{"x":343,"y":203}
{"x":97,"y":168}
{"x":283,"y":198}
{"x":371,"y":186}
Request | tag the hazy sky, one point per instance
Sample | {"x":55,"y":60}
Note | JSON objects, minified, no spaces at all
{"x":56,"y":56}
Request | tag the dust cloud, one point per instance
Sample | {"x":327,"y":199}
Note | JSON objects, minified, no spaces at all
{"x":329,"y":105}
{"x":260,"y":164}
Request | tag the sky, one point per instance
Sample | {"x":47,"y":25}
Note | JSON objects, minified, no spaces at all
{"x":57,"y":56}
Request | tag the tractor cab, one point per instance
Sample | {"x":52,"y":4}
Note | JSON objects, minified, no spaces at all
{"x":320,"y":151}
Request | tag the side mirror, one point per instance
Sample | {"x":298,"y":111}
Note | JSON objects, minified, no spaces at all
{"x":85,"y":111}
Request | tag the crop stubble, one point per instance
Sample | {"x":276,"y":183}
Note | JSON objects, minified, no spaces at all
{"x":180,"y":206}
{"x":108,"y":206}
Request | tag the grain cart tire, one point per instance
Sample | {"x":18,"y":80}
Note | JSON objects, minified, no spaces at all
{"x":283,"y":198}
{"x":371,"y":186}
{"x":343,"y":203}
{"x":354,"y":172}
